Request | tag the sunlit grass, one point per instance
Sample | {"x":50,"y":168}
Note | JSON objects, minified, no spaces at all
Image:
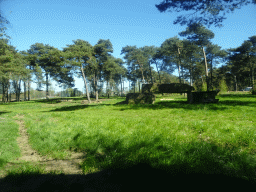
{"x":8,"y":134}
{"x":168,"y":132}
{"x":27,"y":169}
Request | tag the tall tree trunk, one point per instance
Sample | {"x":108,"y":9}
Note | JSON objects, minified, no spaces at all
{"x":235,"y":83}
{"x":3,"y":96}
{"x":202,"y":83}
{"x":158,"y":72}
{"x":10,"y":94}
{"x":142,"y":76}
{"x":7,"y":92}
{"x":190,"y":77}
{"x":182,"y":73}
{"x":206,"y":70}
{"x":9,"y":88}
{"x":29,"y":87}
{"x":179,"y":72}
{"x":179,"y":67}
{"x":107,"y":91}
{"x":179,"y":64}
{"x":190,"y":72}
{"x":28,"y":90}
{"x":253,"y":78}
{"x":211,"y":76}
{"x":150,"y":73}
{"x":47,"y":89}
{"x":252,"y":73}
{"x":87,"y":91}
{"x":179,"y":75}
{"x":139,"y":85}
{"x":159,"y":77}
{"x":19,"y":83}
{"x":96,"y":88}
{"x":15,"y":84}
{"x":182,"y":68}
{"x":25,"y":96}
{"x":121,"y":85}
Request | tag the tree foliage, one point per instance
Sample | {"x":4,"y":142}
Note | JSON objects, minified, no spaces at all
{"x":148,"y":64}
{"x":206,"y":12}
{"x":243,"y":60}
{"x":201,"y":36}
{"x":80,"y":54}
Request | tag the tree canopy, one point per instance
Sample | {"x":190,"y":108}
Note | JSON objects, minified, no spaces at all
{"x":209,"y":10}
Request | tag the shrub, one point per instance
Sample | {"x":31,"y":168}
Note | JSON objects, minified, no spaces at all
{"x":204,"y":87}
{"x":223,"y":86}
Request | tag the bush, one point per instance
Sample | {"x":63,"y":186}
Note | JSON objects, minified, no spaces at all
{"x":204,"y":87}
{"x":223,"y":86}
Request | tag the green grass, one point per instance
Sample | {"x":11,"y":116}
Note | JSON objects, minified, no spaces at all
{"x":207,"y":137}
{"x":8,"y":134}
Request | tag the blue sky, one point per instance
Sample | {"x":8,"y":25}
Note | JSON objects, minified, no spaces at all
{"x":58,"y":22}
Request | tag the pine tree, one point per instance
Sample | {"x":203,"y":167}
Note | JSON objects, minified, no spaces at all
{"x":201,"y":36}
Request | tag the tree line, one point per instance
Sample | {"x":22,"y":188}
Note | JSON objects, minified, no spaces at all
{"x":195,"y":57}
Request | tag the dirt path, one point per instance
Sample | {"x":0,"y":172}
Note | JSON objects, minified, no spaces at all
{"x":72,"y":180}
{"x":67,"y":166}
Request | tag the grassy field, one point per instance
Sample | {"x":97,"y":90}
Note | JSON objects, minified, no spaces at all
{"x":217,"y":137}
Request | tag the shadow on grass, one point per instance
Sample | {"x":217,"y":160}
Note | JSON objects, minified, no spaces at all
{"x":222,"y":105}
{"x":238,"y":95}
{"x":3,"y":112}
{"x":237,"y":102}
{"x":78,"y":107}
{"x":59,"y":100}
{"x":49,"y":101}
{"x":171,"y":105}
{"x":140,"y":177}
{"x":72,"y":108}
{"x":145,"y":172}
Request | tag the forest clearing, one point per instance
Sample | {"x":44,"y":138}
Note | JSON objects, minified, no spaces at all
{"x":50,"y":137}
